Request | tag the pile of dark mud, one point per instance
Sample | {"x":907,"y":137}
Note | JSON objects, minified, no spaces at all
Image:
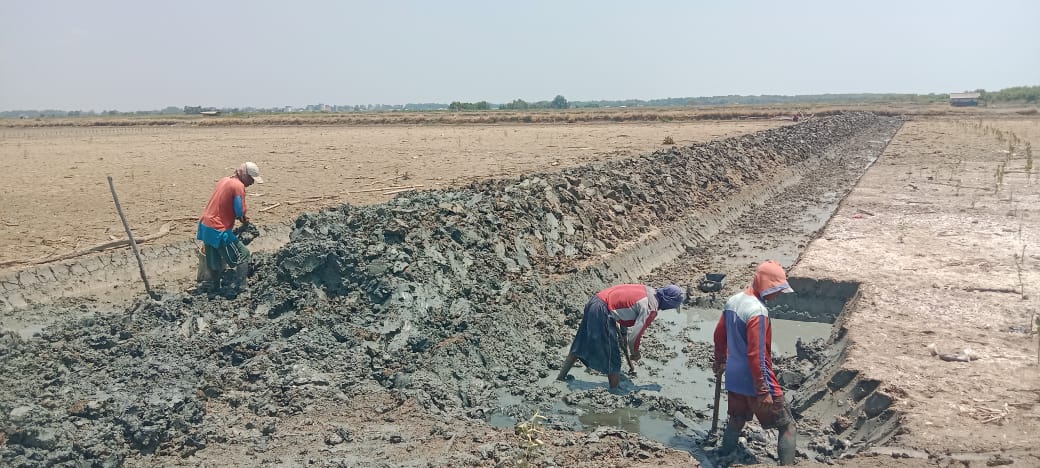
{"x":443,"y":297}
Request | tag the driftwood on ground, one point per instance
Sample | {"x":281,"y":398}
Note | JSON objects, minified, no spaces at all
{"x":164,"y":230}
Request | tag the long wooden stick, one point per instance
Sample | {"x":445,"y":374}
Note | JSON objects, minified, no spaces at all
{"x":130,"y":236}
{"x":392,"y":187}
{"x":398,"y":191}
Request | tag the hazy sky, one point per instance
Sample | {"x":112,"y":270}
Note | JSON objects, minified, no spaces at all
{"x":140,"y":54}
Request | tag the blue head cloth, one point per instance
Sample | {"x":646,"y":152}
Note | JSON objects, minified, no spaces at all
{"x":670,"y":297}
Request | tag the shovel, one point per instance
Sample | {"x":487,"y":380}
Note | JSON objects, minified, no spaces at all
{"x":715,"y":410}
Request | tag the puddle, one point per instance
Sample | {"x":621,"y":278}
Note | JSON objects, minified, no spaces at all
{"x":672,"y":374}
{"x":787,"y":332}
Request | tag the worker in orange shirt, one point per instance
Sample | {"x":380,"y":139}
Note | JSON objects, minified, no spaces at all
{"x":224,"y":259}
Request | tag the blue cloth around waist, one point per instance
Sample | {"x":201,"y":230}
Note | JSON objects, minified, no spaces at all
{"x":215,"y":237}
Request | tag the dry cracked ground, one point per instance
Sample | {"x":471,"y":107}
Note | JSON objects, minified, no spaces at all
{"x":936,"y":237}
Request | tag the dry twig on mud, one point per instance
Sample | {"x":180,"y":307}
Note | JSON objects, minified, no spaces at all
{"x":380,"y":189}
{"x":276,"y":205}
{"x":164,"y":230}
{"x":988,"y":415}
{"x":984,"y":189}
{"x":311,"y":199}
{"x":996,"y":290}
{"x":398,"y":191}
{"x":383,"y":181}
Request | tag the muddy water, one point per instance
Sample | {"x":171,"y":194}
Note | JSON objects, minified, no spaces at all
{"x":674,"y":376}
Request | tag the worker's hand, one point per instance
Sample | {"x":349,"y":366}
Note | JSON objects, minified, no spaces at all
{"x":764,"y":402}
{"x":719,"y":367}
{"x":636,"y":355}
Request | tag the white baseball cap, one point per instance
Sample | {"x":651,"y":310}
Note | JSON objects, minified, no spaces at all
{"x":253,"y":172}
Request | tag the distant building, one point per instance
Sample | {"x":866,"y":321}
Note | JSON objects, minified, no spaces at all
{"x":210,"y":113}
{"x":964,"y":99}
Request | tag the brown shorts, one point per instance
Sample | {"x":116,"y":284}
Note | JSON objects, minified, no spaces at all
{"x":744,"y":407}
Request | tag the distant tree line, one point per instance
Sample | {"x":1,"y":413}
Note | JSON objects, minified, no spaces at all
{"x":558,"y":102}
{"x":767,"y":99}
{"x":469,"y":106}
{"x":1028,"y":94}
{"x":1017,"y":94}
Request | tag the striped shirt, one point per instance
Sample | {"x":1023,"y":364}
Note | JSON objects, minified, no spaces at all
{"x":743,"y":337}
{"x":633,"y":306}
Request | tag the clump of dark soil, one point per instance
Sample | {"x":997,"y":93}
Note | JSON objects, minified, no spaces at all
{"x":443,"y":297}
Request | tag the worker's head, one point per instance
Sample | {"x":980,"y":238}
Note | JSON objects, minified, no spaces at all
{"x":770,"y":281}
{"x":670,"y":297}
{"x":248,"y":173}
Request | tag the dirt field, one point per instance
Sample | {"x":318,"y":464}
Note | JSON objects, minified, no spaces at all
{"x":947,"y":254}
{"x":937,"y":235}
{"x":56,"y":199}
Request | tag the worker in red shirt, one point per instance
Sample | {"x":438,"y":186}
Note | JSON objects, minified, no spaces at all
{"x":624,"y":310}
{"x":743,"y":340}
{"x":224,"y":259}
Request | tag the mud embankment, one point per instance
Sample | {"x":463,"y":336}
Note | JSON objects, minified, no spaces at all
{"x":441,"y":297}
{"x":839,"y":411}
{"x":110,"y":276}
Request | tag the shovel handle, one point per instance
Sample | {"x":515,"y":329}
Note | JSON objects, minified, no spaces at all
{"x":715,"y":407}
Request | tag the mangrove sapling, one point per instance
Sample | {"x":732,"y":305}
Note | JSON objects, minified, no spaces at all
{"x":1029,"y":160}
{"x":529,"y":433}
{"x":1019,"y":259}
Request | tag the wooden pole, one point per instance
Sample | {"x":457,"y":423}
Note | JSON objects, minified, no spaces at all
{"x":130,"y":236}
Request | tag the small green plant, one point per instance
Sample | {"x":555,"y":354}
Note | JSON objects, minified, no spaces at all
{"x":668,"y":141}
{"x":530,"y":433}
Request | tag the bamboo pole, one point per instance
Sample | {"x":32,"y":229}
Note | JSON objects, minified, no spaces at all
{"x":130,"y":236}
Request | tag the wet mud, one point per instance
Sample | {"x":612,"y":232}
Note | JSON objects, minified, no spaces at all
{"x":464,"y":302}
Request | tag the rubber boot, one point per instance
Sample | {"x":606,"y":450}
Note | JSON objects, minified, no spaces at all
{"x":565,"y":369}
{"x":785,"y":445}
{"x":731,"y":436}
{"x":205,"y":278}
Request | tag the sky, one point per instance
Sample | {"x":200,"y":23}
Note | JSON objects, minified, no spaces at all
{"x":140,"y":55}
